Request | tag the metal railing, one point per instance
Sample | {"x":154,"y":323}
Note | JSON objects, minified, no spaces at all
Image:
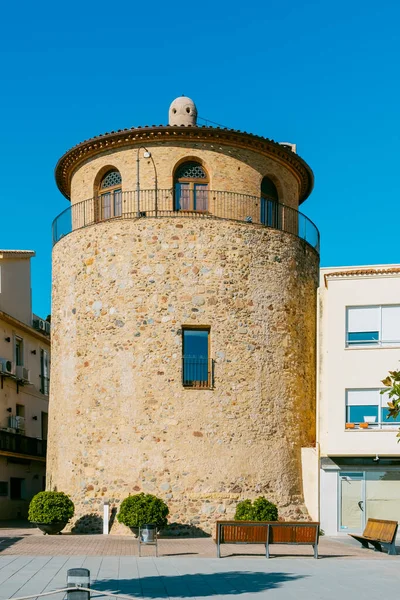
{"x":21,"y":444}
{"x":197,"y":372}
{"x":163,"y":203}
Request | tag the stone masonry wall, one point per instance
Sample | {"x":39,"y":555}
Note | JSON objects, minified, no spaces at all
{"x":230,"y":169}
{"x":121,"y":421}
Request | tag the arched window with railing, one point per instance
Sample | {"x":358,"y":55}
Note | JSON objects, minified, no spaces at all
{"x":191,"y":187}
{"x":269,"y":203}
{"x":110,"y":195}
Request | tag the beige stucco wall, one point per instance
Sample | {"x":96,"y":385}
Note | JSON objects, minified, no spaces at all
{"x":229,"y":168}
{"x":35,"y":403}
{"x":355,"y":367}
{"x":15,"y":288}
{"x":120,"y":420}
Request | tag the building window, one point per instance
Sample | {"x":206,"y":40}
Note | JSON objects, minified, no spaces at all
{"x":373,"y":326}
{"x":191,"y":187}
{"x":17,"y":488}
{"x":19,"y":351}
{"x":3,"y":488}
{"x":196,"y":363}
{"x":369,"y":406}
{"x":110,"y":195}
{"x":45,"y":425}
{"x":44,"y":372}
{"x":270,"y":207}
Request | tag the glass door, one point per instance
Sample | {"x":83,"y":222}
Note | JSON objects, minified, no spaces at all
{"x":351,"y":502}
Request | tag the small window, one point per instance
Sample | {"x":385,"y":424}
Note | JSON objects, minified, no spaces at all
{"x":110,"y":195}
{"x":3,"y":488}
{"x":19,"y":351}
{"x":368,"y":406}
{"x":196,"y":364}
{"x":373,"y":326}
{"x":44,"y":372}
{"x":17,"y":488}
{"x":191,"y":187}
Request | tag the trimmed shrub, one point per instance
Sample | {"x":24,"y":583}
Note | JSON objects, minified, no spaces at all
{"x":260,"y":510}
{"x":142,"y":509}
{"x":51,"y":507}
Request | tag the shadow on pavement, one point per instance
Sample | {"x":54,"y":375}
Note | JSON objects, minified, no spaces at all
{"x":196,"y":584}
{"x":7,"y":542}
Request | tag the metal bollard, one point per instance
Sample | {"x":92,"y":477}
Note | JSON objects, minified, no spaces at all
{"x":78,"y":577}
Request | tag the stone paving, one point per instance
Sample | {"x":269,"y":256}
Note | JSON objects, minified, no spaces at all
{"x":31,"y":563}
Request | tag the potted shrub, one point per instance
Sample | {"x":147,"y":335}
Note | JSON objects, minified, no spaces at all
{"x":145,"y":511}
{"x":51,"y":511}
{"x":258,"y":510}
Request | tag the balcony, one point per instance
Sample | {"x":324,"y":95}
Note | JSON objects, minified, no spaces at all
{"x":13,"y":443}
{"x":251,"y":210}
{"x":197,"y":372}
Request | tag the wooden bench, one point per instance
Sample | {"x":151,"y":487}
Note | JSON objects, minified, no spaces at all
{"x":267,"y":532}
{"x":378,"y":533}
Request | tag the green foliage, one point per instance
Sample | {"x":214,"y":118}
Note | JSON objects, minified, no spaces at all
{"x":51,"y":507}
{"x":392,"y":382}
{"x":141,"y":509}
{"x":260,"y":510}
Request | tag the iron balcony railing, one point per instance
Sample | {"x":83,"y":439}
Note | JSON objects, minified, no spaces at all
{"x":197,"y":372}
{"x":21,"y":444}
{"x":209,"y":205}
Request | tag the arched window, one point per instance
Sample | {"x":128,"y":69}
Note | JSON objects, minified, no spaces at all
{"x":191,"y":187}
{"x":269,"y":203}
{"x":110,"y":195}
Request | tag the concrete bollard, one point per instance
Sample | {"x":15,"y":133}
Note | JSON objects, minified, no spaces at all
{"x":106,"y":516}
{"x":78,"y":577}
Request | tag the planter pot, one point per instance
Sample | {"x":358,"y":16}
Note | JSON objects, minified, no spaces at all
{"x":349,"y":425}
{"x":363,"y":425}
{"x":148,"y":533}
{"x":51,"y":528}
{"x":369,"y":419}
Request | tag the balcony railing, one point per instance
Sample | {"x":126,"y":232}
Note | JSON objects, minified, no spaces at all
{"x":21,"y":444}
{"x":197,"y":372}
{"x":161,"y":203}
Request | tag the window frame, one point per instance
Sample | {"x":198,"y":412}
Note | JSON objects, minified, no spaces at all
{"x":19,"y":343}
{"x":193,"y":183}
{"x":200,"y":384}
{"x":380,"y":424}
{"x":110,"y":191}
{"x":44,"y":379}
{"x":379,"y":343}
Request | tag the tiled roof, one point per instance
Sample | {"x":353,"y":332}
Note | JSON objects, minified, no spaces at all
{"x":24,"y":253}
{"x":367,"y":272}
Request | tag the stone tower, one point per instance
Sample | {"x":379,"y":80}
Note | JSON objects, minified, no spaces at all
{"x":183,"y":321}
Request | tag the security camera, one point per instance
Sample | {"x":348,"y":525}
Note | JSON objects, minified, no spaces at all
{"x":376,"y":459}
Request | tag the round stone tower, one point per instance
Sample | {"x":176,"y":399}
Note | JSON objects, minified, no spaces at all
{"x":183,"y":322}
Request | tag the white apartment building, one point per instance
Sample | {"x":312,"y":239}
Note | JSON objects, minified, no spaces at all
{"x":24,"y":387}
{"x":359,"y":342}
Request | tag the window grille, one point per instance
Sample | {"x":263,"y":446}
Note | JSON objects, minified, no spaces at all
{"x":190,"y":170}
{"x":111,"y":179}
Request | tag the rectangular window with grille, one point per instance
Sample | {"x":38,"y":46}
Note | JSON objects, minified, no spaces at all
{"x":196,"y":363}
{"x":3,"y":488}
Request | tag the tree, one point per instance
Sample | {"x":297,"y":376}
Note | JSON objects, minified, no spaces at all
{"x":392,"y":383}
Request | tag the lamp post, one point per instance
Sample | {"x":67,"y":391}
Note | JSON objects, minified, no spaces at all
{"x":146,"y":154}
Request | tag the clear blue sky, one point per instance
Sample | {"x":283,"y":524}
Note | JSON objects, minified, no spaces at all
{"x":323,"y":74}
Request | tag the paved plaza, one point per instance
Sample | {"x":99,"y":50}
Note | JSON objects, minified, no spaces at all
{"x":31,"y":563}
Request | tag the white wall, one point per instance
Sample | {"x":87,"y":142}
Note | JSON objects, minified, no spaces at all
{"x":342,"y":368}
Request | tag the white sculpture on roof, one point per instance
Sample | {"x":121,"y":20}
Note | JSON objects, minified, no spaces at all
{"x":183,"y":111}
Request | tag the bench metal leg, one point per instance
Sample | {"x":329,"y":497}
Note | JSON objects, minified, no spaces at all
{"x":266,"y":550}
{"x":315,"y":550}
{"x":391,"y":549}
{"x":376,"y":545}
